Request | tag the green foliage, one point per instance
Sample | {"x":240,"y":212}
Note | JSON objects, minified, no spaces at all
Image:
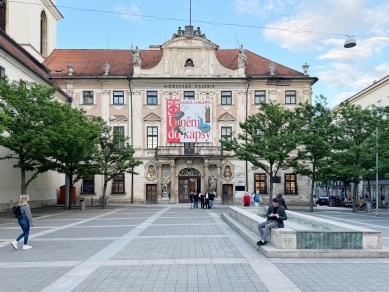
{"x":268,"y":136}
{"x":24,"y":116}
{"x":114,"y":156}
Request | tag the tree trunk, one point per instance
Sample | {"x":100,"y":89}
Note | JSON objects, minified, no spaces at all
{"x":104,"y":192}
{"x":70,"y":190}
{"x":271,"y":184}
{"x":23,"y":175}
{"x":312,"y":187}
{"x":355,"y":201}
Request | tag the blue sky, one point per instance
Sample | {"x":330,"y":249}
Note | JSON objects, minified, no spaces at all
{"x":295,"y":32}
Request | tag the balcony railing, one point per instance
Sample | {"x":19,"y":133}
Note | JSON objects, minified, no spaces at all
{"x":188,"y":151}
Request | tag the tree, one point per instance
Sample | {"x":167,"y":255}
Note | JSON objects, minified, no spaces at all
{"x":316,"y":141}
{"x":354,"y":148}
{"x":267,"y":139}
{"x":25,"y":111}
{"x":71,"y":144}
{"x":115,"y":156}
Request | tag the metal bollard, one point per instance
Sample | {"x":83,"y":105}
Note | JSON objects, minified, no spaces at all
{"x":82,"y":204}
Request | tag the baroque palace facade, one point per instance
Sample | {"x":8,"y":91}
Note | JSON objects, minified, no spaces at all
{"x":175,"y":102}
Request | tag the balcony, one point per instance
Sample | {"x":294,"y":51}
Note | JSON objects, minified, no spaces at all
{"x":192,"y":151}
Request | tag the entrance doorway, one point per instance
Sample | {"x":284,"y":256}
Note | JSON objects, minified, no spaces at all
{"x":185,"y":185}
{"x":228,"y":195}
{"x":151,"y":194}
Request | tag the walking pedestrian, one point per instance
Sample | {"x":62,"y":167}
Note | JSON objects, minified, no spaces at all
{"x":25,"y":221}
{"x":196,"y":200}
{"x":211,"y":198}
{"x":191,"y":198}
{"x":206,"y":203}
{"x":256,"y":198}
{"x":202,"y":199}
{"x":246,"y":200}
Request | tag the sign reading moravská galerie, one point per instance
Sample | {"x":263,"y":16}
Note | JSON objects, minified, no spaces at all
{"x":189,"y":120}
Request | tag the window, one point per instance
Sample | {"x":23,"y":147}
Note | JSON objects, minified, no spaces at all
{"x":226,"y":133}
{"x":226,"y":97}
{"x":152,"y":97}
{"x":2,"y":72}
{"x":87,"y":97}
{"x":43,"y":50}
{"x":379,"y":103}
{"x":189,"y":63}
{"x":119,"y":129}
{"x":290,"y":184}
{"x":118,"y":184}
{"x":3,"y":13}
{"x":118,"y":97}
{"x":290,"y":96}
{"x":189,"y":95}
{"x":259,"y":96}
{"x":152,"y":137}
{"x":88,"y":185}
{"x":189,"y":148}
{"x":260,"y":183}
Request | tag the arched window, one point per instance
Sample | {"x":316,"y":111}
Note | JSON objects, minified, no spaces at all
{"x":3,"y":14}
{"x":43,"y":34}
{"x":189,"y":63}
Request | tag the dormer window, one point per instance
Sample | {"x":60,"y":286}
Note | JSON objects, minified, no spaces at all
{"x":189,"y":63}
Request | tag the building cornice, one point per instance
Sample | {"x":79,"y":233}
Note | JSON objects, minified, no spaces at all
{"x":53,"y":9}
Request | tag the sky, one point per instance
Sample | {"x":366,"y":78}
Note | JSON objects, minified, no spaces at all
{"x":289,"y":32}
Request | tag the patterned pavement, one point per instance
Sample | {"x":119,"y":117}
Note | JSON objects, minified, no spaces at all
{"x":168,"y":248}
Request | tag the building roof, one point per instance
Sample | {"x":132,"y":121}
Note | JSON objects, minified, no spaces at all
{"x":89,"y":63}
{"x":14,"y":49}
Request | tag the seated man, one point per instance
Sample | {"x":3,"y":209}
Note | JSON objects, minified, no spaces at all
{"x":275,"y":218}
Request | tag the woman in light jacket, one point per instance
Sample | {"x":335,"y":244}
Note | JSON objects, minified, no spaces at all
{"x":25,"y":222}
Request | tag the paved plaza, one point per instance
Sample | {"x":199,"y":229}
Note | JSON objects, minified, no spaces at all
{"x":170,"y":248}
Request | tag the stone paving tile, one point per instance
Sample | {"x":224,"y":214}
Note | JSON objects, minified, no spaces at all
{"x":112,"y":222}
{"x":183,"y":221}
{"x":75,"y":232}
{"x":127,"y":216}
{"x":178,"y":248}
{"x":52,"y":223}
{"x":29,"y":279}
{"x":190,"y":213}
{"x":42,"y":251}
{"x":338,"y":277}
{"x":191,"y":277}
{"x":16,"y":231}
{"x":182,"y":230}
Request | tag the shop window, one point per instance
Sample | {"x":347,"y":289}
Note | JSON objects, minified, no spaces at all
{"x":260,"y":183}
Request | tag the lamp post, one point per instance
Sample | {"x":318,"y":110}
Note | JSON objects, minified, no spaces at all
{"x":376,"y":174}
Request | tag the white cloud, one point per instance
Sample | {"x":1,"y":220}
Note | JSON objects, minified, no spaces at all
{"x":261,"y":8}
{"x":130,"y":12}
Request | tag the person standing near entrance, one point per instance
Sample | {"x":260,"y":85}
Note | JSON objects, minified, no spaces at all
{"x":211,"y":198}
{"x":25,"y":222}
{"x":191,"y":198}
{"x":256,"y":198}
{"x":206,"y":203}
{"x":196,"y":200}
{"x":202,"y":199}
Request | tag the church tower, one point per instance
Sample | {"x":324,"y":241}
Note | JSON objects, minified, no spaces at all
{"x":32,"y":24}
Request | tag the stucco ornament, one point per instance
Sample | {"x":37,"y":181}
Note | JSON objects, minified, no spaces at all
{"x":106,"y":67}
{"x":70,"y":68}
{"x":241,"y":56}
{"x":305,"y":68}
{"x":228,"y":171}
{"x":272,"y":67}
{"x":136,"y":56}
{"x":151,"y":171}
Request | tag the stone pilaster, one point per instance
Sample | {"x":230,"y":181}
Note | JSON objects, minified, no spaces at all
{"x":174,"y":181}
{"x":206,"y":176}
{"x":219,"y":184}
{"x":159,"y":189}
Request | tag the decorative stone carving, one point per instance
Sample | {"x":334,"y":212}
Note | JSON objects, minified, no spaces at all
{"x":2,"y":3}
{"x":70,"y":68}
{"x":212,"y":182}
{"x":136,"y":56}
{"x":119,"y":119}
{"x":226,"y":118}
{"x":165,"y":182}
{"x":307,"y":92}
{"x":106,"y":67}
{"x":272,"y":92}
{"x":241,"y":56}
{"x":70,"y":92}
{"x":189,"y":172}
{"x":152,"y":118}
{"x":151,"y":172}
{"x":179,"y":33}
{"x":272,"y":67}
{"x":305,"y":68}
{"x":106,"y":91}
{"x":189,"y":32}
{"x":198,"y":33}
{"x":228,"y":171}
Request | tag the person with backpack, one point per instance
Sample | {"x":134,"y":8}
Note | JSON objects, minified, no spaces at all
{"x":23,"y":213}
{"x":211,"y":198}
{"x":281,"y":201}
{"x":256,"y":198}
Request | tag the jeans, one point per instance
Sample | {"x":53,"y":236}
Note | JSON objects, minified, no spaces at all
{"x":267,"y":225}
{"x":256,"y":204}
{"x":196,"y":204}
{"x":211,"y":204}
{"x":206,"y":204}
{"x":25,"y":224}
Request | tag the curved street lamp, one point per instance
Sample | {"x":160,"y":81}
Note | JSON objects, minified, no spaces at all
{"x":350,"y":42}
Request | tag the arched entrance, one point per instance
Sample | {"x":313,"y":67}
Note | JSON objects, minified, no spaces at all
{"x":188,"y":179}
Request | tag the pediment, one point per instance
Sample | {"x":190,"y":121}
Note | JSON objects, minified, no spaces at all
{"x":152,"y":117}
{"x":226,"y":117}
{"x":186,"y":43}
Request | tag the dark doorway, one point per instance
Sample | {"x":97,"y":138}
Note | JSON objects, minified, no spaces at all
{"x":185,"y":185}
{"x":151,"y":194}
{"x":228,"y":195}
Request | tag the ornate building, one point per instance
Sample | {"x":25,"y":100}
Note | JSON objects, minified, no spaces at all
{"x":175,"y":102}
